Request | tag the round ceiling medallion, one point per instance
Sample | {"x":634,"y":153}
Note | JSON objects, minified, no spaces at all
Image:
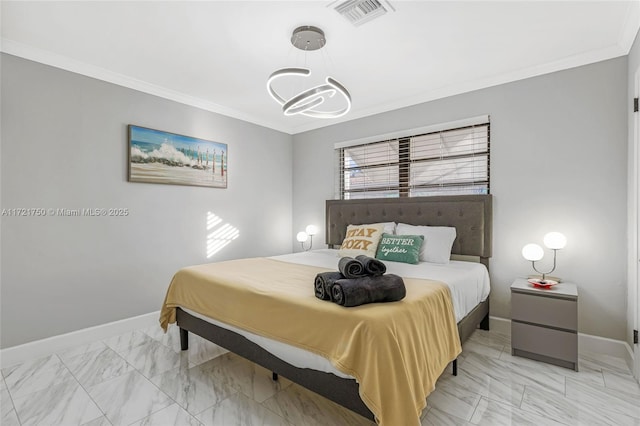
{"x":308,"y":38}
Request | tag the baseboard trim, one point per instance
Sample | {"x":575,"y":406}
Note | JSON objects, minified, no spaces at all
{"x":500,"y":325}
{"x":586,"y":342}
{"x":39,"y":348}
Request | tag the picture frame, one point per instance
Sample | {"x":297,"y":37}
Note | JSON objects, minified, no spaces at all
{"x":157,"y":156}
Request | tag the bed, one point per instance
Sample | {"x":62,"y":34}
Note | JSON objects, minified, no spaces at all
{"x":471,"y":216}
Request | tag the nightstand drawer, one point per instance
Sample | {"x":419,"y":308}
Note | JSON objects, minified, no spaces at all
{"x":544,"y":341}
{"x":561,"y":313}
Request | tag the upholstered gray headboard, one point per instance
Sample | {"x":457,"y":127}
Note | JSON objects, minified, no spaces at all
{"x":471,"y":215}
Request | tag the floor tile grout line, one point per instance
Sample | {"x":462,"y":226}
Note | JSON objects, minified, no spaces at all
{"x":8,"y":393}
{"x":160,"y":341}
{"x":87,"y":391}
{"x":39,"y":390}
{"x":576,"y":404}
{"x":604,"y":389}
{"x":474,"y":410}
{"x":604,"y":379}
{"x":614,"y":410}
{"x":524,"y":389}
{"x":153,"y":384}
{"x":531,"y":412}
{"x":269,"y":409}
{"x":158,"y":388}
{"x":239,"y":391}
{"x":81,"y":354}
{"x":106,"y":380}
{"x":236,"y":391}
{"x":160,"y":409}
{"x":128,"y":347}
{"x":216,"y":404}
{"x":289,"y":386}
{"x":115,"y":377}
{"x":12,"y":403}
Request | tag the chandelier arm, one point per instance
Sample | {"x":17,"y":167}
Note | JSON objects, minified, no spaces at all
{"x":300,"y":102}
{"x":301,"y":108}
{"x":335,"y":83}
{"x":282,"y":73}
{"x":339,"y":88}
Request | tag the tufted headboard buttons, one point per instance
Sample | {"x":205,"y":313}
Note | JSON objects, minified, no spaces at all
{"x":471,"y":215}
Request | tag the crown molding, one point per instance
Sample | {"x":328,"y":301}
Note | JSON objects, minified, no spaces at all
{"x":629,"y":29}
{"x":59,"y":61}
{"x":582,"y":59}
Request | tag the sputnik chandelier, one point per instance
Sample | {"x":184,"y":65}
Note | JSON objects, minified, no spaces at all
{"x":308,"y":102}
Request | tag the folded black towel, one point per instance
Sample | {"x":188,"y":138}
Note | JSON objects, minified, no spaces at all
{"x":323,"y":283}
{"x":371,"y":265}
{"x":351,"y":268}
{"x":358,"y":291}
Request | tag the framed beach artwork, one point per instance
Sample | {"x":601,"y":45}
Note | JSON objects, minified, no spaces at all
{"x":162,"y":157}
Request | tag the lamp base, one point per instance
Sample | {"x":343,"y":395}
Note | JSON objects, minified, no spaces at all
{"x":546,"y":277}
{"x":546,"y":284}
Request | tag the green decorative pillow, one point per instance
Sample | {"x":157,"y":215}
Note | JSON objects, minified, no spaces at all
{"x":400,"y":248}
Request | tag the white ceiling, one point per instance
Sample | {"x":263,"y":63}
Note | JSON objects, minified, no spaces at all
{"x":218,"y":55}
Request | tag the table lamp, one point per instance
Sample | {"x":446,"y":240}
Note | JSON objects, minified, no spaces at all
{"x":305,"y":235}
{"x":533,"y":252}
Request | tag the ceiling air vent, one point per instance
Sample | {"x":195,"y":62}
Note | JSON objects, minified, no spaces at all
{"x":360,"y":11}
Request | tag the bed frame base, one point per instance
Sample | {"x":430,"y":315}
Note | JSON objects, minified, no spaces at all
{"x":339,"y":390}
{"x":471,"y":215}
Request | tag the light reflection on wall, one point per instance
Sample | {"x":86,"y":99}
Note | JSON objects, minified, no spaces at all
{"x":220,"y":236}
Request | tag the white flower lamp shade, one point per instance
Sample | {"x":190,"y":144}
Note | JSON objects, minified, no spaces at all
{"x":532,"y":252}
{"x":307,"y":235}
{"x":555,"y":240}
{"x":311,"y":230}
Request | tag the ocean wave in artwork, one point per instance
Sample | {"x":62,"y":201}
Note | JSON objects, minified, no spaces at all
{"x":166,"y":154}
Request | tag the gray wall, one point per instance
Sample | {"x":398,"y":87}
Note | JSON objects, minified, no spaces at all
{"x":64,"y":146}
{"x":632,"y":91}
{"x":558,"y":163}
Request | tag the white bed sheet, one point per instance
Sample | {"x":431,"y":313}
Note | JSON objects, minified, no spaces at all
{"x":468,"y":282}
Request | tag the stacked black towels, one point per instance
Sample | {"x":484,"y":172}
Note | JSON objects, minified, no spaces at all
{"x":361,"y":266}
{"x":359,"y":281}
{"x":323,"y":283}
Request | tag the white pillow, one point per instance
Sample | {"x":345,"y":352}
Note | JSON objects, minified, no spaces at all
{"x":389,"y":227}
{"x":438,"y":241}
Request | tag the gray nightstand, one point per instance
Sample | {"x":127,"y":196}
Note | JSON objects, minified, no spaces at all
{"x":544,"y":323}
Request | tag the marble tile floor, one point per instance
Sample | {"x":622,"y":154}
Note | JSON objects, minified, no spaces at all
{"x":142,"y":378}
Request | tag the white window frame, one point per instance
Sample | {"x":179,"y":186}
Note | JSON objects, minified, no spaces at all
{"x":404,"y":186}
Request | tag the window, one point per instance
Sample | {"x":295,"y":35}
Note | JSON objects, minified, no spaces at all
{"x":455,"y":160}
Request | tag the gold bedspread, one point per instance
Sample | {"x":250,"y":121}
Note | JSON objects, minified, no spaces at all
{"x":396,"y":351}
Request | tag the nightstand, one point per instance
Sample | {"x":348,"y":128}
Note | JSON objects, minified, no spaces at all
{"x":544,"y":323}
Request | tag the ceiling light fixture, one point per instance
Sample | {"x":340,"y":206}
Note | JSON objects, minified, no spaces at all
{"x":308,"y":38}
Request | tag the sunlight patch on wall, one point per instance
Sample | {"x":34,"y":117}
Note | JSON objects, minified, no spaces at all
{"x":220,"y":236}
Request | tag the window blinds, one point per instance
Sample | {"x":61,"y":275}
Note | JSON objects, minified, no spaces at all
{"x":444,"y":162}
